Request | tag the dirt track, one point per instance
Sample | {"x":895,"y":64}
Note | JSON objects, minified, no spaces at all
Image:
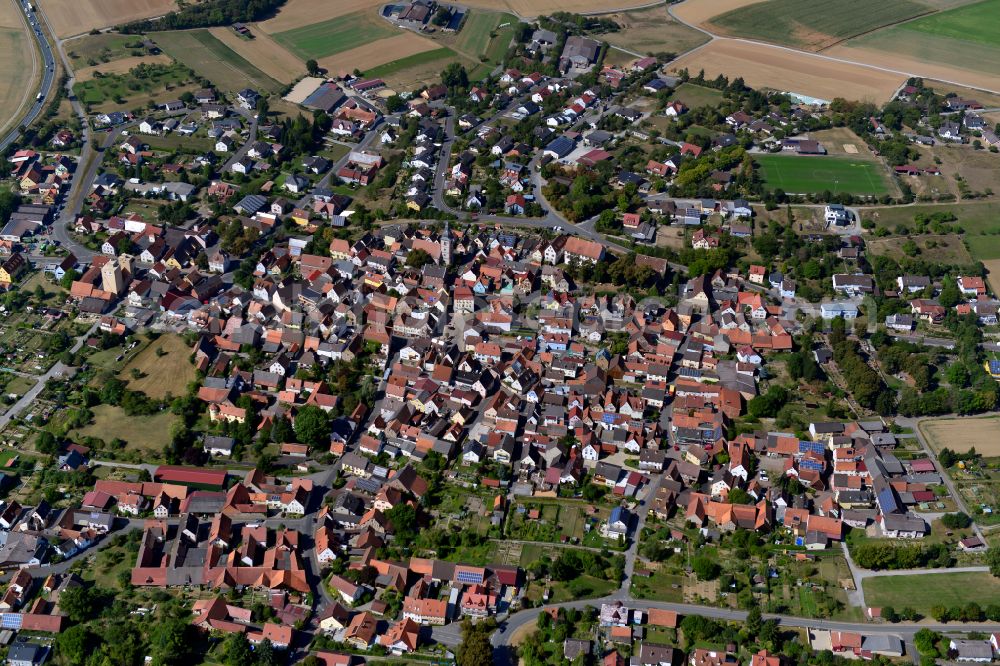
{"x":763,"y":66}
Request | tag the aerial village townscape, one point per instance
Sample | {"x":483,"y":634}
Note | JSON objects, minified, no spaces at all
{"x":336,"y":332}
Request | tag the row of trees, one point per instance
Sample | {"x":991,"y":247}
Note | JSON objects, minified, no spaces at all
{"x":206,"y":14}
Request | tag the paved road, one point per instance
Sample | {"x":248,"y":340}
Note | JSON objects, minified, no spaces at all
{"x":48,"y":65}
{"x":245,"y":148}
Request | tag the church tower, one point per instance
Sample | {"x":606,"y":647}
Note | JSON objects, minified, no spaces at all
{"x":446,"y":245}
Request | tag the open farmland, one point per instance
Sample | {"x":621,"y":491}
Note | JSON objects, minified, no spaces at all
{"x":210,"y":58}
{"x":326,"y":38}
{"x":17,"y":73}
{"x":922,"y":592}
{"x":474,"y":39}
{"x":75,"y":17}
{"x":416,"y":70}
{"x":811,"y":25}
{"x":803,"y":175}
{"x":653,"y":31}
{"x":535,"y":8}
{"x":763,"y":66}
{"x":993,"y":274}
{"x":961,"y":45}
{"x":700,"y":12}
{"x":370,"y":56}
{"x":961,"y":435}
{"x":298,"y":13}
{"x":263,"y":53}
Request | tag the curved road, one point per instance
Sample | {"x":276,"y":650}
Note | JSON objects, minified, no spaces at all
{"x":48,"y":74}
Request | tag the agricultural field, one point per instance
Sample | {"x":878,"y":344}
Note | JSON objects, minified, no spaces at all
{"x":416,"y":70}
{"x":133,"y":86}
{"x":700,"y":12}
{"x":18,"y":75}
{"x":326,"y":38}
{"x":534,"y":8}
{"x":694,"y":96}
{"x":263,"y":53}
{"x":210,"y":58}
{"x":402,"y":50}
{"x":164,"y":368}
{"x":297,"y":13}
{"x":943,"y":248}
{"x":75,"y":17}
{"x":961,"y":435}
{"x":960,"y":45}
{"x":975,"y":218}
{"x":653,"y":31}
{"x":993,"y":274}
{"x":922,"y":592}
{"x":802,"y":175}
{"x":810,"y":25}
{"x":767,"y":67}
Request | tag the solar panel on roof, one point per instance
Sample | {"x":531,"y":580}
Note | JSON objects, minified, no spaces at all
{"x":11,"y":621}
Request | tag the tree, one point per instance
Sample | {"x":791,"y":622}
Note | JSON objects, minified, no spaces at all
{"x":80,"y":603}
{"x":705,"y":568}
{"x":753,"y":622}
{"x":475,"y":649}
{"x":404,"y":522}
{"x":265,"y":653}
{"x":170,"y":641}
{"x":312,"y":67}
{"x":238,"y":650}
{"x":455,"y":76}
{"x":956,"y":521}
{"x":312,"y":426}
{"x":993,"y":560}
{"x":47,"y":443}
{"x":418,"y":258}
{"x":75,"y":644}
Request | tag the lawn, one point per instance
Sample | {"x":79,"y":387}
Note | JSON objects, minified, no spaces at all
{"x":921,"y":592}
{"x":813,"y":25}
{"x":148,"y":435}
{"x":814,"y":174}
{"x":984,"y":248}
{"x":327,"y":38}
{"x":139,"y":80}
{"x":413,"y":61}
{"x":971,"y":23}
{"x":694,"y":96}
{"x":973,"y":217}
{"x":659,"y":587}
{"x":168,"y":371}
{"x":205,"y":54}
{"x":581,"y":587}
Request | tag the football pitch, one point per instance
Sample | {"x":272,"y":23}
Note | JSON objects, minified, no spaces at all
{"x":814,"y":174}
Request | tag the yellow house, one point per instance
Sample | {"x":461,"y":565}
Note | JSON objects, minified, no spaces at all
{"x":11,"y":269}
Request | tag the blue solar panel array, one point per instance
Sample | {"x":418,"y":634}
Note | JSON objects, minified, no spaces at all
{"x":811,"y":447}
{"x":471,"y":577}
{"x":11,"y":621}
{"x":887,"y":501}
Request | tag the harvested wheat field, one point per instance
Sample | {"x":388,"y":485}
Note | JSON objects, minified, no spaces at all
{"x":970,"y":74}
{"x":377,"y":53}
{"x":533,"y":8}
{"x":121,"y":66}
{"x":763,"y":66}
{"x":653,"y":30}
{"x":700,"y":12}
{"x":297,"y":13}
{"x":10,"y":16}
{"x":263,"y":53}
{"x":960,"y":435}
{"x":75,"y":17}
{"x":993,"y":274}
{"x":18,"y":74}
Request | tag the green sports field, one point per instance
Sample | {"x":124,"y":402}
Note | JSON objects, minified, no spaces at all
{"x":797,"y":174}
{"x":328,"y":38}
{"x":814,"y":25}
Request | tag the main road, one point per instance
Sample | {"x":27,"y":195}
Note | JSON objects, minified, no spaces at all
{"x":48,"y":73}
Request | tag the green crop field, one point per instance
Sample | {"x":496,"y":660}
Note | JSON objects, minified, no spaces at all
{"x":814,"y":25}
{"x":804,"y":175}
{"x":210,"y":58}
{"x":415,"y":60}
{"x":975,"y":23}
{"x":328,"y":38}
{"x":474,"y":38}
{"x":921,"y":592}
